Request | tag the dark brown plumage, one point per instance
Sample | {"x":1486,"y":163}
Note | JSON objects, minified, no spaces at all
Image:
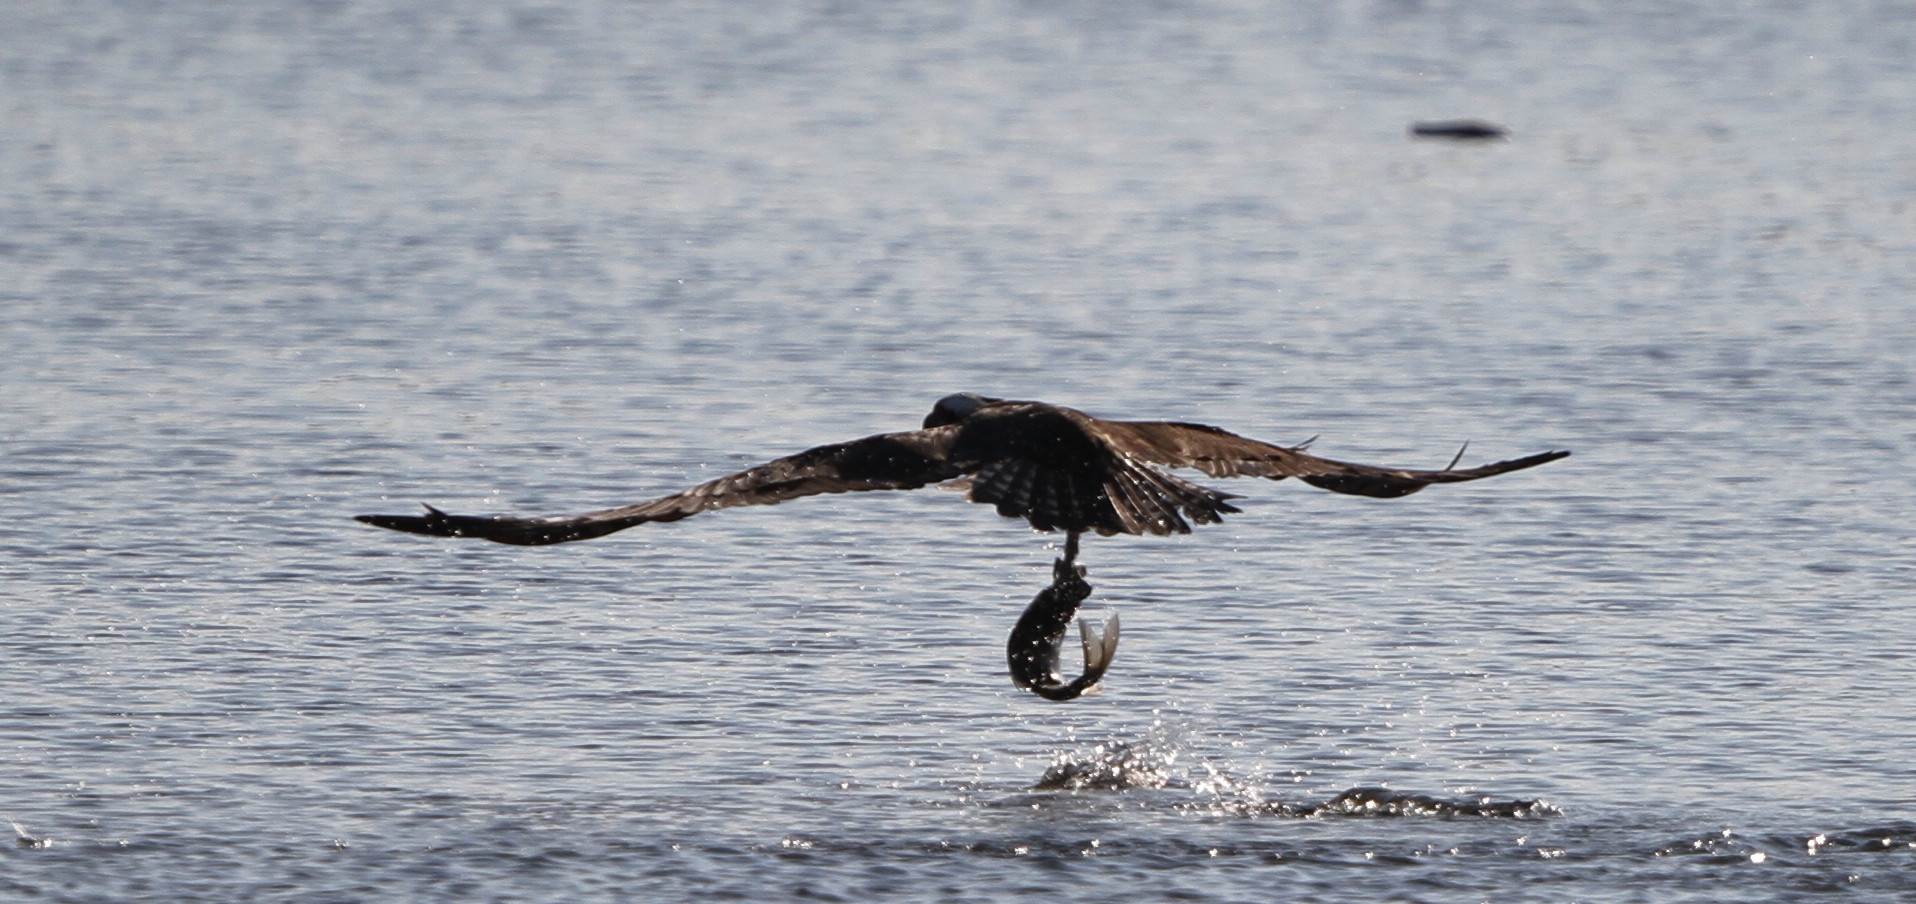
{"x":1056,"y":467}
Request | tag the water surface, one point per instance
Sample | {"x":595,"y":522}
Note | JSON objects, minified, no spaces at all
{"x":271,"y":265}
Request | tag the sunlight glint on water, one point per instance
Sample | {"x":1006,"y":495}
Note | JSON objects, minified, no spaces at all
{"x":271,"y":266}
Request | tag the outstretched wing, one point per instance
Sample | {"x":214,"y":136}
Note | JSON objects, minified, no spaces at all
{"x":889,"y":461}
{"x":1221,"y":453}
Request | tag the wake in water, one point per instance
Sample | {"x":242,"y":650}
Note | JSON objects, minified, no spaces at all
{"x":1122,"y":766}
{"x":1735,"y":846}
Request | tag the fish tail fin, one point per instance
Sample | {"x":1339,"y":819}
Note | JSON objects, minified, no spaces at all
{"x":1100,"y":647}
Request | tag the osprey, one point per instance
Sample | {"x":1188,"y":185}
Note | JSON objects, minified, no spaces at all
{"x":1056,"y":467}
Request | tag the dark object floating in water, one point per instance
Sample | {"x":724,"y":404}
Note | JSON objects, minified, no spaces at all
{"x":1055,"y":467}
{"x":1459,"y":129}
{"x":1033,"y":648}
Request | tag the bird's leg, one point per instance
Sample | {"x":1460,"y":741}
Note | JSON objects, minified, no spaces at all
{"x":1067,"y":568}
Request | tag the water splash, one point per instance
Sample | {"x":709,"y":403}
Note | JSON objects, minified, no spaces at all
{"x":27,"y":839}
{"x":1385,"y":802}
{"x":1160,"y":762}
{"x":1111,"y":766}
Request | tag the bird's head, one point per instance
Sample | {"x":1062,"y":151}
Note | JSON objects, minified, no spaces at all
{"x":956,"y":407}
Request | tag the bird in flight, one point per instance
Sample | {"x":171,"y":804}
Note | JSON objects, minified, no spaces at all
{"x":1056,"y":467}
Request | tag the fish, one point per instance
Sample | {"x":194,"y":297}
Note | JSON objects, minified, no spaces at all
{"x":1036,"y":642}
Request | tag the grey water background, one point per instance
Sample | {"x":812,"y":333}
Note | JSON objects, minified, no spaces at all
{"x":268,"y":265}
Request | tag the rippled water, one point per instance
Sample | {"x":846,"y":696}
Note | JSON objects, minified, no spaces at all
{"x":270,"y":265}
